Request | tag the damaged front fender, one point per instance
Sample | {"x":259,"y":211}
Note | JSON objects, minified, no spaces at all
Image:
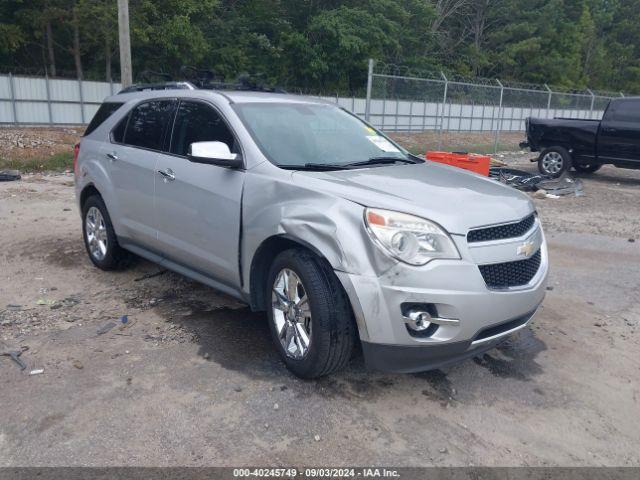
{"x":332,"y":226}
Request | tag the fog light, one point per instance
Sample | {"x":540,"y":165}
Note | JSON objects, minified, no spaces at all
{"x":418,"y":320}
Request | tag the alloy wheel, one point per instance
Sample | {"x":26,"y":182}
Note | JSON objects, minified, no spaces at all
{"x":291,"y":314}
{"x":96,"y":233}
{"x":552,"y":163}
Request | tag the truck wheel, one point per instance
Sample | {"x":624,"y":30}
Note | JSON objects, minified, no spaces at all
{"x":100,"y":238}
{"x":554,"y":161}
{"x":309,"y":313}
{"x":586,"y":168}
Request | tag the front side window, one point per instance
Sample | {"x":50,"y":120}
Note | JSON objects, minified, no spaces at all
{"x":627,"y":110}
{"x":198,"y":122}
{"x":148,"y":124}
{"x":297,"y":134}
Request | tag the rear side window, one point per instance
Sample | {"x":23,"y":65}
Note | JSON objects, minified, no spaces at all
{"x":626,"y":110}
{"x":148,"y":124}
{"x":104,"y":112}
{"x":198,"y":122}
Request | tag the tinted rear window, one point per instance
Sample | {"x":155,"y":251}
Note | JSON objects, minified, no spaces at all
{"x":148,"y":124}
{"x":104,"y":112}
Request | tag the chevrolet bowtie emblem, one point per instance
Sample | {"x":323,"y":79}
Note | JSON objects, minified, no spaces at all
{"x":526,"y":249}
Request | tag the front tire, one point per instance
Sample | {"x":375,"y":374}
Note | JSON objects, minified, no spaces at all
{"x":100,"y":238}
{"x":309,"y":313}
{"x":554,"y":161}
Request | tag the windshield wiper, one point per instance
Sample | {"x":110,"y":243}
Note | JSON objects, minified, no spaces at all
{"x":346,"y":166}
{"x":379,"y":161}
{"x":314,"y":167}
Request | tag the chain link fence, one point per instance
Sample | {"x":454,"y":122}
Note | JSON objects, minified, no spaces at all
{"x":422,"y":109}
{"x":402,"y":101}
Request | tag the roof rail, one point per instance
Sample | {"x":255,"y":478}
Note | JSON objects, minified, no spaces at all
{"x":199,"y":78}
{"x":141,"y":87}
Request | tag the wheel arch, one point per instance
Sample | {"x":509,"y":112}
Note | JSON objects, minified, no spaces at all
{"x":262,"y":260}
{"x":88,"y":191}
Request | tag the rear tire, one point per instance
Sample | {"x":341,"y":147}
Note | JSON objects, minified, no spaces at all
{"x":329,"y":328}
{"x":587,"y":168}
{"x":554,"y":161}
{"x":100,"y":238}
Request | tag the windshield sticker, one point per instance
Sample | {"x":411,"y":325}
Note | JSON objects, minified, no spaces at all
{"x":383,"y":144}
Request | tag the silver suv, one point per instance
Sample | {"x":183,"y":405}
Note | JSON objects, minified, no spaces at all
{"x":302,"y":210}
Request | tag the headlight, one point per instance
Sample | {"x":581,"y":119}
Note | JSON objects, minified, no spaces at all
{"x":411,"y":239}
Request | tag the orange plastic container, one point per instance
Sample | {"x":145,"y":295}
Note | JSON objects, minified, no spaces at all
{"x":468,"y":161}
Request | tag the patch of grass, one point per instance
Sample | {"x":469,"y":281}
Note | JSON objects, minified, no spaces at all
{"x":55,"y":163}
{"x":483,"y":148}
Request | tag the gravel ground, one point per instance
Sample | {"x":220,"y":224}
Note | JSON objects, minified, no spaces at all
{"x":29,"y":142}
{"x":194,"y":380}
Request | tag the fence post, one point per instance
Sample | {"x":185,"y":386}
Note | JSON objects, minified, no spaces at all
{"x":549,"y":99}
{"x":111,"y":86}
{"x":593,"y":101}
{"x":367,"y":106}
{"x":411,"y":116}
{"x":81,"y":101}
{"x":49,"y":99}
{"x":13,"y":99}
{"x":444,"y":103}
{"x":497,"y":135}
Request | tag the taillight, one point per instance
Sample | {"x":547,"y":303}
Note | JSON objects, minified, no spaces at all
{"x":76,"y":151}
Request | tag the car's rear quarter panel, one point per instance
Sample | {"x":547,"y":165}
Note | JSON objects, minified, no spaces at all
{"x":580,"y":136}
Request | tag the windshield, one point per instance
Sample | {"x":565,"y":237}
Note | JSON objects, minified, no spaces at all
{"x":315,"y":136}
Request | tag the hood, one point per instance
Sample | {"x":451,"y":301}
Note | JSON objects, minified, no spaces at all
{"x":453,"y":198}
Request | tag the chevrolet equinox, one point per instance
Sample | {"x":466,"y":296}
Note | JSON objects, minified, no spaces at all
{"x":303,"y":210}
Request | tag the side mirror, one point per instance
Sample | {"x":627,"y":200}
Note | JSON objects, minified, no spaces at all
{"x":214,"y":153}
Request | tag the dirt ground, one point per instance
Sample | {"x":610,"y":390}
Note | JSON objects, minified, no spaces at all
{"x":23,"y":143}
{"x":194,"y":379}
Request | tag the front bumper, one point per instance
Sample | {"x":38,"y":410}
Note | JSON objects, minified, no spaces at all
{"x":409,"y":359}
{"x":456,"y":290}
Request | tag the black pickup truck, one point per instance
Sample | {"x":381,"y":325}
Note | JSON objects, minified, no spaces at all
{"x":586,"y":145}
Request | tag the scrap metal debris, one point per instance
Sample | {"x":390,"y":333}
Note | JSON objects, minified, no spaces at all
{"x":548,"y":186}
{"x":517,"y":178}
{"x":13,"y":354}
{"x":9,"y":175}
{"x":105,"y":328}
{"x":564,"y":185}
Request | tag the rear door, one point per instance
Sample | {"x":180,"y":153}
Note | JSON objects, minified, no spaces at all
{"x":132,"y":156}
{"x":197,"y":205}
{"x":619,"y":137}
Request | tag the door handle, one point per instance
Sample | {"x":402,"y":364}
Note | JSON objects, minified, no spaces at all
{"x":112,"y":156}
{"x":167,"y":175}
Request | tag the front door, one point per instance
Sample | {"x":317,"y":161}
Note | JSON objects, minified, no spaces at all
{"x":198,"y":206}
